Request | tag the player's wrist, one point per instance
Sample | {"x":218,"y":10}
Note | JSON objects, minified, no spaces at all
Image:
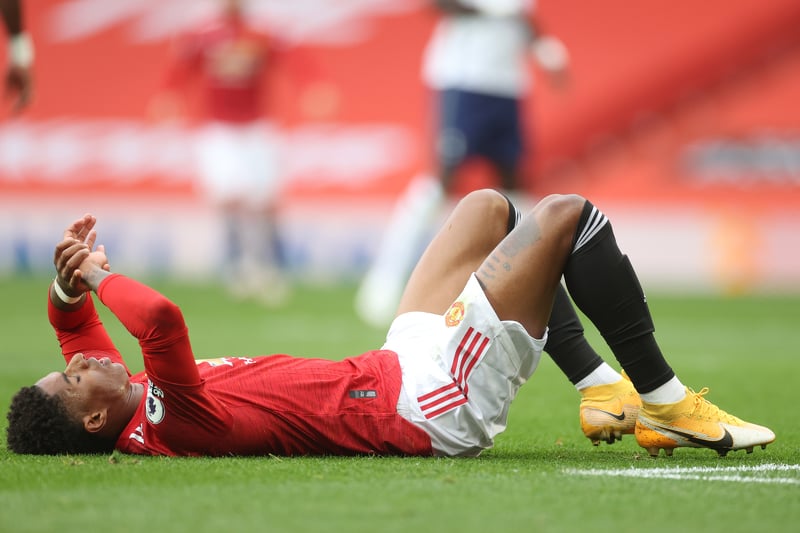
{"x":20,"y":50}
{"x":94,"y":276}
{"x":63,"y":296}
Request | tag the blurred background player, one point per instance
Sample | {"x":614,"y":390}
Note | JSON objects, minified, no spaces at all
{"x":18,"y":76}
{"x":477,"y":62}
{"x":238,"y":149}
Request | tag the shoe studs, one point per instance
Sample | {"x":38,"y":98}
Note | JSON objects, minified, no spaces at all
{"x":722,"y":452}
{"x":655,"y":450}
{"x":607,"y":435}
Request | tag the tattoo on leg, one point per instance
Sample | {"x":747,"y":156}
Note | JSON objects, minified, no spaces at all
{"x":490,"y":264}
{"x":488,"y":269}
{"x":523,"y":236}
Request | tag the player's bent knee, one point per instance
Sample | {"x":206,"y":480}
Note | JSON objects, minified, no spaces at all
{"x":483,"y":214}
{"x":488,"y":203}
{"x":560,"y":208}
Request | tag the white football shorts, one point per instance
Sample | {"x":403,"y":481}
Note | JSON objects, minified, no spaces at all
{"x":461,"y":371}
{"x":240,"y":162}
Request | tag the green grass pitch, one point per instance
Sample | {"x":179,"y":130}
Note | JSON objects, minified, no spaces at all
{"x":542,"y":475}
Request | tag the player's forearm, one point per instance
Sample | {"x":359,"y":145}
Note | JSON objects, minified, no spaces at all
{"x":69,"y":317}
{"x":147,"y":314}
{"x":62,"y":300}
{"x":157,"y":323}
{"x":77,"y":326}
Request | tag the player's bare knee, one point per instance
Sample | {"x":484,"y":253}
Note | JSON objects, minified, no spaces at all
{"x":489,"y":204}
{"x":560,"y":207}
{"x":483,"y":212}
{"x":561,"y":212}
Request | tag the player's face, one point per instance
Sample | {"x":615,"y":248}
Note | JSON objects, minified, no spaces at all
{"x":88,"y":382}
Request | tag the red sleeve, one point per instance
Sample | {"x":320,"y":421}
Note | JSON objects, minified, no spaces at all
{"x":81,"y":331}
{"x":157,"y":323}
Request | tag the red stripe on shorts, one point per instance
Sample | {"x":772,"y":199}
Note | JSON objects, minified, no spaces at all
{"x":450,"y":396}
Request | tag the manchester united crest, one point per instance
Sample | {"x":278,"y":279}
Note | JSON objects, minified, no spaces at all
{"x":454,"y":315}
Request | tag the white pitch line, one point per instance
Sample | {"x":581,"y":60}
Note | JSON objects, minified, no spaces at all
{"x":701,"y":473}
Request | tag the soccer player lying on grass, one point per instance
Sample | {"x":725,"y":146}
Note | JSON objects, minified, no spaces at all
{"x":469,"y":332}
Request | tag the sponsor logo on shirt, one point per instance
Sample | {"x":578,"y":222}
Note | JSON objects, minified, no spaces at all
{"x":154,"y":406}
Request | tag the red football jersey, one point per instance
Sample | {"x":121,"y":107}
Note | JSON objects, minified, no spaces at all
{"x":230,"y":62}
{"x":273,"y":404}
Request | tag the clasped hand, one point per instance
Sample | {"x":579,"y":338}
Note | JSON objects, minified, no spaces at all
{"x":76,"y":256}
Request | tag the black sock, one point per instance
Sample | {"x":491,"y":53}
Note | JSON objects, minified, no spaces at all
{"x":605,"y":287}
{"x":566,"y":344}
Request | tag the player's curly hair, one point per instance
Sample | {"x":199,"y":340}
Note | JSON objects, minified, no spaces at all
{"x":39,"y":424}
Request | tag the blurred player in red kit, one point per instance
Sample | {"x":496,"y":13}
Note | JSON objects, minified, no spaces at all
{"x":238,"y":148}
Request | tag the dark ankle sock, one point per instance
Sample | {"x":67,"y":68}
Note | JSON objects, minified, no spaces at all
{"x":605,"y":287}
